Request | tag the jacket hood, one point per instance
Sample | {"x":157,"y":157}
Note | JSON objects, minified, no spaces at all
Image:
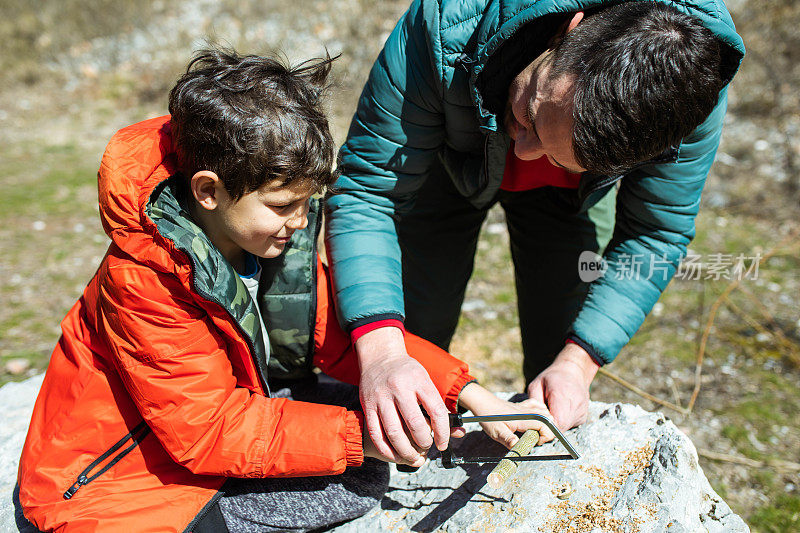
{"x":136,"y":160}
{"x":502,"y":18}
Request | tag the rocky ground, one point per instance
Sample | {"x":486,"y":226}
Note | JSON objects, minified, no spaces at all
{"x":75,"y":71}
{"x":633,"y":472}
{"x":637,"y":474}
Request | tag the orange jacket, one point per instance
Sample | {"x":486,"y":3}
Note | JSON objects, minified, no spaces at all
{"x":153,"y":389}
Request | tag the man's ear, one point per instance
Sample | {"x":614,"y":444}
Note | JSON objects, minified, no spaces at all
{"x":206,"y":188}
{"x":565,"y":28}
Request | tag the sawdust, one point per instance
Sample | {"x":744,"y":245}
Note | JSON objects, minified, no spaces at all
{"x":580,"y":517}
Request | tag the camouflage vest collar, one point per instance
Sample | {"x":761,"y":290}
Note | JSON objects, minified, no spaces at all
{"x":287,"y":291}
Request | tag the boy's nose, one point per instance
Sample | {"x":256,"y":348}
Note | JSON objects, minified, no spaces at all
{"x":298,"y":222}
{"x":299,"y":219}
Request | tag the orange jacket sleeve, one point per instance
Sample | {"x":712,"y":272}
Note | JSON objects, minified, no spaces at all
{"x":175,"y":368}
{"x":335,"y":354}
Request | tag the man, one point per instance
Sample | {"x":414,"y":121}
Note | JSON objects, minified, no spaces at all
{"x":594,"y":125}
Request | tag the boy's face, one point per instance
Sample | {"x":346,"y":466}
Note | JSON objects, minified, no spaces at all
{"x":260,"y":222}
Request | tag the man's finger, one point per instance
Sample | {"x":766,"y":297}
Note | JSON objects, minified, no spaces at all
{"x":457,"y":433}
{"x":439,"y":418}
{"x":395,"y":432}
{"x":415,"y":421}
{"x":376,"y":434}
{"x":535,"y":406}
{"x":561,"y":408}
{"x":535,"y":391}
{"x":545,"y":434}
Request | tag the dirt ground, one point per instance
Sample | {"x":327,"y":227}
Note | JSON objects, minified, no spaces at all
{"x":74,"y":72}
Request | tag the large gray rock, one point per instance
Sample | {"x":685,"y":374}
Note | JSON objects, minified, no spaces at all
{"x":637,"y":473}
{"x":17,"y":401}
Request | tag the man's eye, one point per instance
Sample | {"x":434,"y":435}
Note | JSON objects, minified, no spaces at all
{"x":528,"y":116}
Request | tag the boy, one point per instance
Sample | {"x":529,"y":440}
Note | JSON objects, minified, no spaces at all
{"x":171,"y":400}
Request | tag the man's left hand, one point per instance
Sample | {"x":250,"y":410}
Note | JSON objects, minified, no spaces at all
{"x":564,"y":386}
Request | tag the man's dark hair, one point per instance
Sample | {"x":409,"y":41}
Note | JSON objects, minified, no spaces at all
{"x":646,"y":76}
{"x":252,"y":119}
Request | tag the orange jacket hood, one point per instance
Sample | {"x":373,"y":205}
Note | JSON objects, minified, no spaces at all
{"x":136,"y":160}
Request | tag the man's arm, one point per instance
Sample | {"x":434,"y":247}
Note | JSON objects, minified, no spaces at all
{"x":656,"y":209}
{"x":395,"y":134}
{"x":400,"y":375}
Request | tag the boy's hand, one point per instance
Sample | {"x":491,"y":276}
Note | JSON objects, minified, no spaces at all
{"x":482,"y":402}
{"x":393,"y":386}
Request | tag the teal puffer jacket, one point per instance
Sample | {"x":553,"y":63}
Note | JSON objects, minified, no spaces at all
{"x":422,"y":101}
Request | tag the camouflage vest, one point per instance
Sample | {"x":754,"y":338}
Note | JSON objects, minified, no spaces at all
{"x":286,"y":295}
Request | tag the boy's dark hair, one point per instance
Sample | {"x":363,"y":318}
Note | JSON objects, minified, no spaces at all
{"x":646,"y":76}
{"x":252,"y":119}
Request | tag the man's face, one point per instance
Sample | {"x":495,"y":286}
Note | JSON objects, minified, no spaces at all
{"x":538,"y":115}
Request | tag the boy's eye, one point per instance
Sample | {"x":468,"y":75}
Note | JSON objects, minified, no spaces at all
{"x":286,"y":207}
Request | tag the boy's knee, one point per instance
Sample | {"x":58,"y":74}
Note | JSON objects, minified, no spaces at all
{"x":369,"y":482}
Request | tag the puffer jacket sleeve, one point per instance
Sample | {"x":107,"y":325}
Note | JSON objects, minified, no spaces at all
{"x":336,"y":356}
{"x":656,"y":209}
{"x":394,"y":136}
{"x":173,"y":363}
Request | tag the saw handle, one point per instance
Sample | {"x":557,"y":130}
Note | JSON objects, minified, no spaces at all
{"x":507,"y":467}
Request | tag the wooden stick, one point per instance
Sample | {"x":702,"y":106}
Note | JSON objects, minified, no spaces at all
{"x":775,"y":463}
{"x":787,"y":242}
{"x":698,"y":367}
{"x":505,"y":468}
{"x":630,"y":386}
{"x":777,"y":335}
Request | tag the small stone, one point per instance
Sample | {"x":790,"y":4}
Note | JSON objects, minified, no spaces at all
{"x":761,"y":145}
{"x":497,"y":228}
{"x":473,"y":305}
{"x":17,"y":366}
{"x":564,"y":491}
{"x":763,"y":337}
{"x":774,"y":287}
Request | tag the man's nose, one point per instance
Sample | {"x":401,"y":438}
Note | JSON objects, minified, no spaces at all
{"x":527,"y":148}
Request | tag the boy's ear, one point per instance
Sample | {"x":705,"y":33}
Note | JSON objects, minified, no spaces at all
{"x":206,"y":188}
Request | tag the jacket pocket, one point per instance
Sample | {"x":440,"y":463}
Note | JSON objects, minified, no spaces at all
{"x":109,"y":458}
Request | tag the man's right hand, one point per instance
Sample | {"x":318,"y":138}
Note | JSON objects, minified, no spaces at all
{"x":393,"y":386}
